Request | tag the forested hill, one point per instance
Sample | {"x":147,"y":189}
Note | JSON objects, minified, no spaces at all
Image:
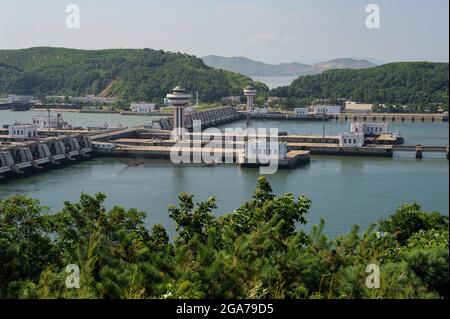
{"x":394,"y":83}
{"x":130,"y":74}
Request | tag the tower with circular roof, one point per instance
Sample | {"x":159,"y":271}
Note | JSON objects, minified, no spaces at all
{"x":179,"y":99}
{"x":250,"y":93}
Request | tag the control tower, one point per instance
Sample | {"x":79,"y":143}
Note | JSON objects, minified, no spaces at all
{"x":250,"y":93}
{"x":179,"y":99}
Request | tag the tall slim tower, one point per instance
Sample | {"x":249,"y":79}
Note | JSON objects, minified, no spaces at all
{"x":179,"y":100}
{"x":250,"y":92}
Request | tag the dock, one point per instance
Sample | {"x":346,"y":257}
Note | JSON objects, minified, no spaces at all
{"x":392,"y":117}
{"x":65,"y":146}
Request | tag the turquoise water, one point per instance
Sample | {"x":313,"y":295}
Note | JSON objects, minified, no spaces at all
{"x":426,"y":133}
{"x":78,"y":119}
{"x":344,"y":190}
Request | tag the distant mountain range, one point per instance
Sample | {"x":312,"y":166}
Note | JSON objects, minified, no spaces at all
{"x":254,"y":68}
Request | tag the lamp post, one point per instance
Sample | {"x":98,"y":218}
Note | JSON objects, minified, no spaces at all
{"x":323,"y":123}
{"x":48,"y":123}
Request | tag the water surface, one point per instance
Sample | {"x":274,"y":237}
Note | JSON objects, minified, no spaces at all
{"x":344,"y":190}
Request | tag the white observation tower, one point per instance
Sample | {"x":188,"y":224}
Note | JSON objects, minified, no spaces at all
{"x":179,"y":99}
{"x":250,"y":92}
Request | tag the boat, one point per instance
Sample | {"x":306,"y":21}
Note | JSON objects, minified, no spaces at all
{"x":398,"y":137}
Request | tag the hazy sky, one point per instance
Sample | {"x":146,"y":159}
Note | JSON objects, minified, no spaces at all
{"x":267,"y":30}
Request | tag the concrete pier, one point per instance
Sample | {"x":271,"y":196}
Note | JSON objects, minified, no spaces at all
{"x":419,"y":151}
{"x":393,"y":117}
{"x":208,"y":118}
{"x":315,"y":144}
{"x":293,"y":160}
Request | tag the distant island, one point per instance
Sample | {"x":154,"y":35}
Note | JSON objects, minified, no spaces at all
{"x":128,"y":74}
{"x":254,"y":68}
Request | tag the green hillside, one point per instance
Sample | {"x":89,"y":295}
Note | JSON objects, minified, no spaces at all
{"x":129,"y":74}
{"x":406,"y":83}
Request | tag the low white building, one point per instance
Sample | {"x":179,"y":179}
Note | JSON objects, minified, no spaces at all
{"x":301,"y":111}
{"x":351,"y":139}
{"x":360,"y":108}
{"x":103,"y":146}
{"x":23,"y":131}
{"x":261,"y":110}
{"x":370,"y":128}
{"x":261,"y":149}
{"x":94,"y":99}
{"x":13,"y":98}
{"x":42,"y":121}
{"x":143,"y":107}
{"x":327,"y":109}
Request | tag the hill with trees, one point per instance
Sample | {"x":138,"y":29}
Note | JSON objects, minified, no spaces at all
{"x":129,"y":74}
{"x":423,"y":85}
{"x":260,"y":250}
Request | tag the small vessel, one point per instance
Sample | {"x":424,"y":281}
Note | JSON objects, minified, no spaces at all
{"x":398,"y":137}
{"x":396,"y":134}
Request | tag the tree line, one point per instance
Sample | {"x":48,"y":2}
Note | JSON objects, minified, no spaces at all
{"x":129,"y":74}
{"x":260,"y":250}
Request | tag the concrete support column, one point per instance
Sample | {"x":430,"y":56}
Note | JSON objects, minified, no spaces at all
{"x":419,"y":151}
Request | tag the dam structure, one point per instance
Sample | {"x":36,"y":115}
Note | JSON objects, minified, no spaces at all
{"x":209,"y":118}
{"x":27,"y":149}
{"x":26,"y":157}
{"x":22,"y":158}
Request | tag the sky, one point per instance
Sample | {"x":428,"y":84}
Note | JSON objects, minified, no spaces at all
{"x":272,"y":31}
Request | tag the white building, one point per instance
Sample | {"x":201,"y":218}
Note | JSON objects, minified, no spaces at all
{"x":327,"y":109}
{"x":355,"y":107}
{"x":103,"y":146}
{"x":370,"y":128}
{"x":59,"y":98}
{"x":261,"y":149}
{"x":143,"y":107}
{"x":94,"y":99}
{"x":260,"y":110}
{"x":351,"y":139}
{"x":42,"y":121}
{"x":13,"y":98}
{"x":23,"y":131}
{"x":301,"y":111}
